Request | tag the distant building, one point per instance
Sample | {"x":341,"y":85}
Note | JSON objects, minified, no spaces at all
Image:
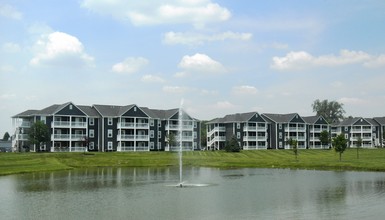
{"x":5,"y":146}
{"x":108,"y":128}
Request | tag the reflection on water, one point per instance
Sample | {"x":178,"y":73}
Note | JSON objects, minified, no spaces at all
{"x":141,"y":193}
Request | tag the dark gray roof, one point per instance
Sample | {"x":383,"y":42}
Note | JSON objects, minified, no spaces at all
{"x":347,"y":121}
{"x":239,"y":117}
{"x":89,"y":110}
{"x":310,"y":119}
{"x":27,"y":113}
{"x":380,"y":120}
{"x":108,"y":110}
{"x":280,"y":118}
{"x":372,"y":121}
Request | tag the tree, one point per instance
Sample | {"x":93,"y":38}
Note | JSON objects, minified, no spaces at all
{"x":86,"y":143}
{"x":339,"y":144}
{"x":331,"y":111}
{"x":232,"y":145}
{"x":358,"y":143}
{"x":203,"y":134}
{"x":39,"y":134}
{"x":324,"y":138}
{"x":6,"y":136}
{"x":170,"y":139}
{"x":293,"y":143}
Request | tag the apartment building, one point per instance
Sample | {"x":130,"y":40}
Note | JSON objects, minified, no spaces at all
{"x":108,"y":128}
{"x":250,"y":129}
{"x":369,"y":130}
{"x":314,"y":126}
{"x":284,"y":127}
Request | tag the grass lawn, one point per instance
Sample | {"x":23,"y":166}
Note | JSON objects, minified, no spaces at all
{"x":369,"y":160}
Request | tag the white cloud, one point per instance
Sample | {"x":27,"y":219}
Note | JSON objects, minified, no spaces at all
{"x":201,"y":63}
{"x":175,"y":89}
{"x":152,"y":79}
{"x":9,"y":11}
{"x":154,"y":12}
{"x":198,"y":39}
{"x":301,"y":60}
{"x":244,"y":90}
{"x":376,"y":62}
{"x":60,"y":49}
{"x":224,"y":105}
{"x":7,"y":96}
{"x":352,"y":101}
{"x":130,"y":65}
{"x":10,"y":47}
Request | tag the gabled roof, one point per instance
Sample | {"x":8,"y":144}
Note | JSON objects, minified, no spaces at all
{"x":311,"y":119}
{"x":280,"y":118}
{"x":108,"y":110}
{"x":88,"y":110}
{"x":27,"y":113}
{"x":380,"y":120}
{"x":372,"y":121}
{"x":238,"y":117}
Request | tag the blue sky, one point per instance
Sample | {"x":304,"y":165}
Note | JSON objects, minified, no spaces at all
{"x":219,"y":56}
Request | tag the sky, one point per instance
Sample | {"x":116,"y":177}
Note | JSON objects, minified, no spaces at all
{"x":218,"y":56}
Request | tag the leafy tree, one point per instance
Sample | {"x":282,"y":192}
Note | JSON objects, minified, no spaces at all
{"x":232,"y":145}
{"x":359,"y":144}
{"x":6,"y":136}
{"x":340,"y":144}
{"x":331,"y":111}
{"x":39,"y":134}
{"x":324,"y":137}
{"x":203,"y":134}
{"x":293,"y":143}
{"x":171,"y":139}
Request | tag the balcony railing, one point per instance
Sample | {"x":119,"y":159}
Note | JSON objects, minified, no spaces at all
{"x":25,"y":124}
{"x":67,"y":137}
{"x":68,"y":124}
{"x":22,"y":137}
{"x":176,"y":127}
{"x":133,"y":125}
{"x":288,"y":129}
{"x":254,"y":128}
{"x":132,"y":137}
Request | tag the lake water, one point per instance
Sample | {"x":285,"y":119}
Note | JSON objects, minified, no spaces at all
{"x":145,"y":193}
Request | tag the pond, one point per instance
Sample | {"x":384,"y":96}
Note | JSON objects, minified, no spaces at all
{"x":147,"y":193}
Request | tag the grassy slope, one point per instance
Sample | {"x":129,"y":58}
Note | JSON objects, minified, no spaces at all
{"x":374,"y":159}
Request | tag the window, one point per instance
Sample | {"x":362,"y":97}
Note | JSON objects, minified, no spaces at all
{"x":92,"y":121}
{"x":70,"y":107}
{"x":195,"y":124}
{"x":238,"y":125}
{"x":280,"y":135}
{"x":280,"y":126}
{"x":238,"y":135}
{"x":346,"y":136}
{"x":109,"y":121}
{"x":159,"y":145}
{"x":109,"y":133}
{"x":195,"y":145}
{"x":152,"y":122}
{"x":92,"y":134}
{"x":151,"y":134}
{"x":152,"y":145}
{"x":135,"y":109}
{"x":346,"y":129}
{"x":43,"y":119}
{"x":92,"y":145}
{"x":195,"y":134}
{"x":159,"y":124}
{"x":280,"y":144}
{"x":159,"y":134}
{"x":109,"y":145}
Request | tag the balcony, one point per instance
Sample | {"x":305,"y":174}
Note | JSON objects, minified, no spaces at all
{"x":254,"y":138}
{"x":295,"y":129}
{"x":176,"y":127}
{"x":67,"y":137}
{"x":131,"y":137}
{"x":254,"y":128}
{"x":133,"y":125}
{"x":25,"y":124}
{"x":68,"y":124}
{"x":22,"y":137}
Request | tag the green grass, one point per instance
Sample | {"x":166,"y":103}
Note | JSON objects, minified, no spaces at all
{"x":369,"y":160}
